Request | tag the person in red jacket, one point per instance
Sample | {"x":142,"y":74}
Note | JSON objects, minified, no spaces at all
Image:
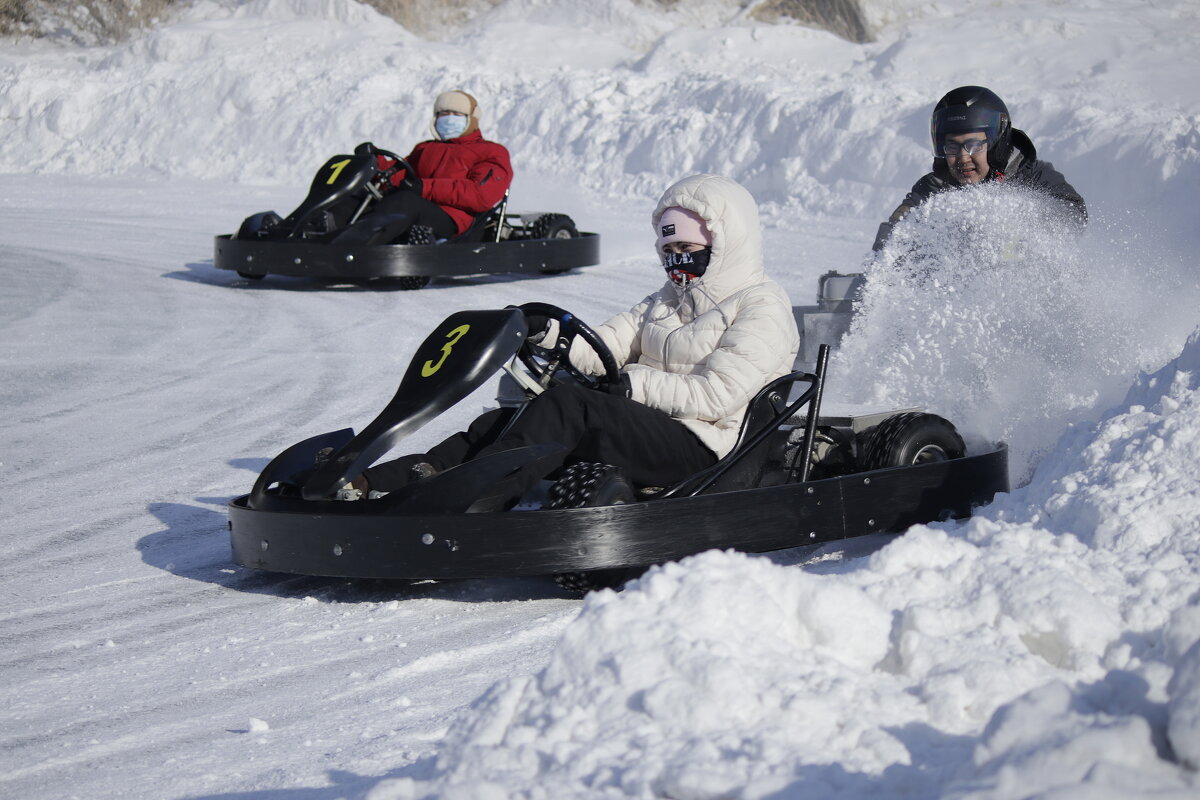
{"x":459,"y":175}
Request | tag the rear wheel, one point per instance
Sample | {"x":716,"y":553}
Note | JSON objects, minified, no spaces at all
{"x":910,"y":439}
{"x":553,"y":226}
{"x":589,"y":485}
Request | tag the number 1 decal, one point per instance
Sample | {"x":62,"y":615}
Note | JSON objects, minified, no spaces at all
{"x":337,"y":170}
{"x":453,"y":336}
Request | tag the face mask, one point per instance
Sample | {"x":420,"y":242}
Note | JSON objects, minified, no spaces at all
{"x":684,"y":268}
{"x":450,"y":126}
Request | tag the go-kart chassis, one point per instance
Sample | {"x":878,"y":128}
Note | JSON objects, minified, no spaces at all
{"x":314,"y":259}
{"x":755,"y":499}
{"x":346,"y":540}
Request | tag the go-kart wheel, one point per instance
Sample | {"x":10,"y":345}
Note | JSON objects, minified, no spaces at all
{"x":553,"y":226}
{"x":911,"y":439}
{"x":258,"y":225}
{"x":588,"y":485}
{"x":250,"y":276}
{"x":584,"y":582}
{"x":559,"y":355}
{"x":419,"y":235}
{"x":412,"y":282}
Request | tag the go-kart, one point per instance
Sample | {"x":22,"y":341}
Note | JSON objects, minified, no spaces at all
{"x":827,"y":321}
{"x":334,"y":234}
{"x":792,"y":479}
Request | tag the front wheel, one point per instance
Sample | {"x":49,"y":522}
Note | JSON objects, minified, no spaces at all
{"x":411,"y":283}
{"x":589,"y":485}
{"x":911,"y":439}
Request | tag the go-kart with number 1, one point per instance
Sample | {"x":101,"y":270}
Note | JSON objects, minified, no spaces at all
{"x":333,"y":234}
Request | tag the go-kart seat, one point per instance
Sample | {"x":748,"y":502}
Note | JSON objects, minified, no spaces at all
{"x":744,"y":465}
{"x":480,"y":225}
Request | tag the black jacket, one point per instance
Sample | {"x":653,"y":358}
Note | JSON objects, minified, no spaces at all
{"x":1023,"y":169}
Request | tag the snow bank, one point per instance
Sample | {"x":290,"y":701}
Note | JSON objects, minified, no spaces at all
{"x":1046,"y":645}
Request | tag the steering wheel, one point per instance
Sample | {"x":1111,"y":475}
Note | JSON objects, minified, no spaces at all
{"x":410,"y":175}
{"x":559,"y":356}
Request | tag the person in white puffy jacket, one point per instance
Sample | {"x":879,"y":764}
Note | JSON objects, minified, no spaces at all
{"x":692,"y":356}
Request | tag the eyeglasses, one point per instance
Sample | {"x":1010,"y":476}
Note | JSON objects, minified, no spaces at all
{"x":970,"y":147}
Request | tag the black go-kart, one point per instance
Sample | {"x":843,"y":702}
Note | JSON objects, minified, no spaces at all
{"x":333,"y":234}
{"x":795,"y":477}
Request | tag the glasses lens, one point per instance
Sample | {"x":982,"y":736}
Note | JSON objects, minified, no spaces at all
{"x":969,"y":147}
{"x":955,"y":120}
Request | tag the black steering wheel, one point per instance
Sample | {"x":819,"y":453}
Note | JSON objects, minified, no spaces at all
{"x":543,"y":362}
{"x":410,"y":175}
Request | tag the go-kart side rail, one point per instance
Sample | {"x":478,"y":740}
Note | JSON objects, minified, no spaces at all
{"x":350,"y":540}
{"x":320,"y":260}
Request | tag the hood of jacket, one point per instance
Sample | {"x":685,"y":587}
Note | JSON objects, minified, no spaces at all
{"x":731,"y":216}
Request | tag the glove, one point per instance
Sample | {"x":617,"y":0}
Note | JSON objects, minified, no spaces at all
{"x":413,"y":181}
{"x":364,"y":149}
{"x":539,"y":326}
{"x":623,"y":387}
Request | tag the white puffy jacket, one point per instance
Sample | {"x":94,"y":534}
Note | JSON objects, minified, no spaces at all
{"x":702,"y":353}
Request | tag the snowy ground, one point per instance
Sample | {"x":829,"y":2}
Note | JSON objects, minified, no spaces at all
{"x":1046,"y":648}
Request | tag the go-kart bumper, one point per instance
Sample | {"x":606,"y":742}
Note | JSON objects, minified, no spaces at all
{"x":320,"y":260}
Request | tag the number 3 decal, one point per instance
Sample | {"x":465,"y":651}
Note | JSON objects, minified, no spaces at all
{"x":337,"y":170}
{"x":453,"y":336}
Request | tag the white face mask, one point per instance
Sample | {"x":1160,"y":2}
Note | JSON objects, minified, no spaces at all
{"x":450,"y":126}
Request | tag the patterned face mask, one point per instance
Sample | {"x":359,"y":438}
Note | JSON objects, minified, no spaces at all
{"x":684,"y":268}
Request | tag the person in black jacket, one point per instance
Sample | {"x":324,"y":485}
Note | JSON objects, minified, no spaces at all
{"x":974,"y":142}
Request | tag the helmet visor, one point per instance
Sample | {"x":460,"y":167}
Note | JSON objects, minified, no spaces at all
{"x":953,"y":120}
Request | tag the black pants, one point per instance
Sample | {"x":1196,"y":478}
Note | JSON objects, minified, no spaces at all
{"x":408,"y":208}
{"x":417,"y":211}
{"x":652,"y":448}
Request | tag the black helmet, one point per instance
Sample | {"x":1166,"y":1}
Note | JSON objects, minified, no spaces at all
{"x":973,"y":108}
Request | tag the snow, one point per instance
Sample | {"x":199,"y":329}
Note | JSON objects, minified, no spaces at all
{"x":1048,"y":647}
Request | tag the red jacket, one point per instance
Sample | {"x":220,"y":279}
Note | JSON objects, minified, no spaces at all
{"x":465,"y":176}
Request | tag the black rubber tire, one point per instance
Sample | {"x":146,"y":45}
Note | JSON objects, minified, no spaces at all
{"x":411,"y":282}
{"x":584,"y":582}
{"x":589,"y":485}
{"x":250,"y":276}
{"x":419,"y":235}
{"x":911,"y":438}
{"x":553,"y":226}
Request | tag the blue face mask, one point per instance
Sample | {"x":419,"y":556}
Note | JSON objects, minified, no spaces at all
{"x":450,"y":126}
